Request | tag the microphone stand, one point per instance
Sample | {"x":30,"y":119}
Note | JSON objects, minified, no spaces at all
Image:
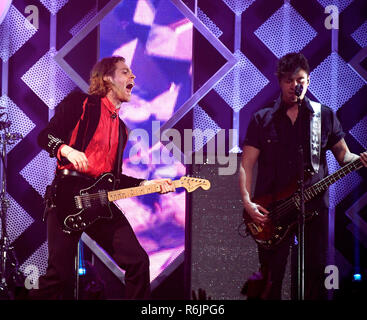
{"x":301,"y":215}
{"x":6,"y":251}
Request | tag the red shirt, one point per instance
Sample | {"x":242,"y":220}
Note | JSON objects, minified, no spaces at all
{"x":102,"y":150}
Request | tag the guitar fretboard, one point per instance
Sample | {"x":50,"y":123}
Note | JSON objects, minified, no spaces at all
{"x":138,"y":191}
{"x":323,"y":184}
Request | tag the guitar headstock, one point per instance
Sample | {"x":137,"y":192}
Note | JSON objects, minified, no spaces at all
{"x":192,"y":183}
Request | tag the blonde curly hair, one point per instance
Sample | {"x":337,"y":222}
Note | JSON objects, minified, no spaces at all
{"x":104,"y":67}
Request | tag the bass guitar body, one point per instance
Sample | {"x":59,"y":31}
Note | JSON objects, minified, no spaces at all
{"x":284,"y":211}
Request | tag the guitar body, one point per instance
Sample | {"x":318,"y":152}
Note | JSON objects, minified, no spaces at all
{"x":283,"y":217}
{"x":284,"y":208}
{"x":81,"y":202}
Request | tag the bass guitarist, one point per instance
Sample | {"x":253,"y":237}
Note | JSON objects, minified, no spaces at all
{"x":275,"y":137}
{"x":87,"y":137}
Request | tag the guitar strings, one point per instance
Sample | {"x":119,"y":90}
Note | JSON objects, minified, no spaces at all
{"x":290,"y":204}
{"x":286,"y":207}
{"x":282,"y":210}
{"x":155,"y":188}
{"x":278,"y":213}
{"x":103,"y":195}
{"x":319,"y":185}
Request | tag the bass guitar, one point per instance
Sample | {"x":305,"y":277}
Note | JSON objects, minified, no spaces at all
{"x":283,"y":211}
{"x":79,"y":207}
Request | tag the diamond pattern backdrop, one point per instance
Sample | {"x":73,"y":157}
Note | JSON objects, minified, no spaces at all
{"x":285,"y":31}
{"x":268,"y":32}
{"x":40,"y":78}
{"x":15,"y":31}
{"x":334,"y":82}
{"x":33,"y":84}
{"x":341,"y":4}
{"x":241,"y":84}
{"x":20,"y":123}
{"x":360,"y":35}
{"x":44,"y":83}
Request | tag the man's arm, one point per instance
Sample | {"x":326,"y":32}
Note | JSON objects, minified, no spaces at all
{"x":53,"y":137}
{"x":66,"y":116}
{"x":342,"y":154}
{"x":249,"y":159}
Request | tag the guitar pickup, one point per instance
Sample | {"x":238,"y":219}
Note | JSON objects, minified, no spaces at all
{"x":103,"y":198}
{"x":78,"y":202}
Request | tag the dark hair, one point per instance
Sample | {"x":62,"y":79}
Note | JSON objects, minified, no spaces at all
{"x":104,"y":67}
{"x":290,"y":63}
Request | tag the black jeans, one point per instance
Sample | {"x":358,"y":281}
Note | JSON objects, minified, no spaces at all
{"x":115,"y":236}
{"x":315,"y":260}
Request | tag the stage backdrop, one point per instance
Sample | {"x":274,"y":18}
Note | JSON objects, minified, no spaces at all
{"x":48,"y":49}
{"x":236,"y":44}
{"x":256,"y":33}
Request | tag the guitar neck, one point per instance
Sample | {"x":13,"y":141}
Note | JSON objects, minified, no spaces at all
{"x":323,"y":184}
{"x":138,"y":191}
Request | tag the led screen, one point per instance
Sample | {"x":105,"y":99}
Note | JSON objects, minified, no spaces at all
{"x":155,"y":39}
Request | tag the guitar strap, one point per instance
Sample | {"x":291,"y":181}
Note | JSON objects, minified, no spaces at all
{"x":315,"y":135}
{"x":49,"y":199}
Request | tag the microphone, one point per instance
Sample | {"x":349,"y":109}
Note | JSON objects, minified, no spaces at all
{"x":298,"y":90}
{"x":114,"y":115}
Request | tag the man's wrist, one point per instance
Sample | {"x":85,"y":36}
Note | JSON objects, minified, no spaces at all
{"x":247,"y":203}
{"x":65,"y":150}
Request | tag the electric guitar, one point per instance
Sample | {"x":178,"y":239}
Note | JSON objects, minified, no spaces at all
{"x":82,"y":203}
{"x":283,"y":215}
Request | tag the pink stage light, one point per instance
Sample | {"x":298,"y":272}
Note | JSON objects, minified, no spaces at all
{"x":174,"y":41}
{"x":4,"y":8}
{"x":161,"y":107}
{"x":127,"y":51}
{"x":162,"y":259}
{"x":147,"y":219}
{"x":144,"y":13}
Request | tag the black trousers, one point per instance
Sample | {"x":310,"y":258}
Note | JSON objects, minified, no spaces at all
{"x":115,"y":236}
{"x":315,"y":260}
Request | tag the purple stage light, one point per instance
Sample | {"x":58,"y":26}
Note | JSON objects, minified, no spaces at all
{"x":4,"y":7}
